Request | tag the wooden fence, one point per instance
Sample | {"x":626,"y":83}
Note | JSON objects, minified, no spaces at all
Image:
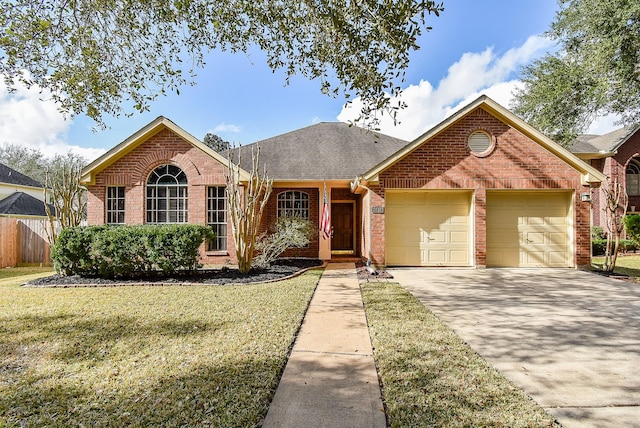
{"x":23,"y":241}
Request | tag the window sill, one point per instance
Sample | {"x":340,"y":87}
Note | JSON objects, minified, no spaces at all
{"x":216,"y":253}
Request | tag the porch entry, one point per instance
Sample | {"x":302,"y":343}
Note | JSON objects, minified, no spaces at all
{"x":343,"y":222}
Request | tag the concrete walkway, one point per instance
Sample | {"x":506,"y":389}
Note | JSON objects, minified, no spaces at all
{"x":330,"y":379}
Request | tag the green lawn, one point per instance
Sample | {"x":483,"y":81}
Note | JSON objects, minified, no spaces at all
{"x":625,"y":265}
{"x":23,"y":274}
{"x":213,"y":355}
{"x":145,"y":356}
{"x":430,"y":377}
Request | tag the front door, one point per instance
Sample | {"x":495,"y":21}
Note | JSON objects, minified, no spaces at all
{"x":343,"y":223}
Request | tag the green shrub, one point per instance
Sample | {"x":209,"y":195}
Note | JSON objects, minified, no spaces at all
{"x":598,"y":247}
{"x":628,"y":245}
{"x":129,"y":251}
{"x":288,"y":232}
{"x":632,"y":226}
{"x":597,"y":232}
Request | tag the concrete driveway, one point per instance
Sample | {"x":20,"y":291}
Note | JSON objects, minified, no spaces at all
{"x":570,"y":339}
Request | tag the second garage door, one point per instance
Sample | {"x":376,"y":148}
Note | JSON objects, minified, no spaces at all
{"x":528,"y":229}
{"x":427,"y":228}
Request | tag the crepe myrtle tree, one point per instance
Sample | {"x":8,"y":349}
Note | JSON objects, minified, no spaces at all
{"x":246,"y":205}
{"x":68,"y":197}
{"x":94,"y":55}
{"x":616,"y":201}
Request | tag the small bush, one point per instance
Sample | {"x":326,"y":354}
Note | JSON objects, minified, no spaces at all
{"x":288,"y":232}
{"x":597,"y":232}
{"x":598,"y":247}
{"x":128,"y":251}
{"x":628,"y":245}
{"x":632,"y":226}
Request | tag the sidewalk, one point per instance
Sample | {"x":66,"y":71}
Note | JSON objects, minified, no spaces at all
{"x":330,"y":379}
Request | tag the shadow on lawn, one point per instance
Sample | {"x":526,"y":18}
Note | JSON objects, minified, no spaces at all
{"x":63,"y":371}
{"x":73,"y":339}
{"x":206,"y":396}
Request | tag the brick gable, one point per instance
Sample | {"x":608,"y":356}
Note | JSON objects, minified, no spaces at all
{"x":445,"y":162}
{"x":132,"y":170}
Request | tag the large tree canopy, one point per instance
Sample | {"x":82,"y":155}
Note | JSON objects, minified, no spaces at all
{"x":594,"y":72}
{"x":95,"y":55}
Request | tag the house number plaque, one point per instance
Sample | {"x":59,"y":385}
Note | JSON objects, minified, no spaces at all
{"x":377,"y":210}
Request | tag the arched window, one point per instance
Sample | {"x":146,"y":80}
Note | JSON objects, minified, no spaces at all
{"x":293,"y":203}
{"x":633,"y":177}
{"x":167,"y":195}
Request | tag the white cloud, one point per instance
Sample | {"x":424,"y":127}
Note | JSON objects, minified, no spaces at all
{"x":472,"y":75}
{"x":28,"y":117}
{"x":315,"y":120}
{"x":224,"y":127}
{"x":604,"y":124}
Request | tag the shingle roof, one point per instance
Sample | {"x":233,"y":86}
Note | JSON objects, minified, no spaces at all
{"x":609,"y":142}
{"x":19,"y":203}
{"x":325,"y":151}
{"x":11,"y":176}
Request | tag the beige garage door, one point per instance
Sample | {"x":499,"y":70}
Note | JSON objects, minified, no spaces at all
{"x":528,"y":229}
{"x":427,"y":228}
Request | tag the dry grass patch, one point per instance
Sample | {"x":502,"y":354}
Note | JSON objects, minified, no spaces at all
{"x":430,"y":377}
{"x":146,"y":356}
{"x":625,"y":265}
{"x":19,"y":275}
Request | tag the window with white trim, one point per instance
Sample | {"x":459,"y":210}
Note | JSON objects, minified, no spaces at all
{"x":167,"y":195}
{"x":217,"y":217}
{"x":115,"y":205}
{"x":632,"y":178}
{"x":293,"y":203}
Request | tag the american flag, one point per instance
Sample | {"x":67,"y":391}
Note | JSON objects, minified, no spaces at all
{"x":325,"y":224}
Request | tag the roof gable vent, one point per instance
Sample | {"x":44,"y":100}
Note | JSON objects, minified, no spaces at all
{"x":480,"y":143}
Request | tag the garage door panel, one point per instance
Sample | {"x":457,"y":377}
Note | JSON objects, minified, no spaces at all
{"x":459,"y":237}
{"x":437,"y":237}
{"x":535,"y":238}
{"x":534,"y":225}
{"x":440,"y":219}
{"x":437,"y":256}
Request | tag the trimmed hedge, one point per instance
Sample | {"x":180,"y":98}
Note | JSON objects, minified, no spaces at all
{"x":129,"y":251}
{"x":599,"y":246}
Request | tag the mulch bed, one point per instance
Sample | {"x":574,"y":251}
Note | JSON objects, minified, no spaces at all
{"x":282,"y":268}
{"x":371,"y":275}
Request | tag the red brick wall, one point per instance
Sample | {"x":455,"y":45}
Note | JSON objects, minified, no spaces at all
{"x":614,"y":167}
{"x":270,"y":216}
{"x":445,"y":162}
{"x":132,"y":171}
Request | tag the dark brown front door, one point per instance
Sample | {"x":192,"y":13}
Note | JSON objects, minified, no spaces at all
{"x":342,"y":220}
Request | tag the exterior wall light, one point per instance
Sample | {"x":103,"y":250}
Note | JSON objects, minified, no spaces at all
{"x":585,"y":197}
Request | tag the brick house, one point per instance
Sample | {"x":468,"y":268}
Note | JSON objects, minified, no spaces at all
{"x":617,"y":156}
{"x":480,"y":189}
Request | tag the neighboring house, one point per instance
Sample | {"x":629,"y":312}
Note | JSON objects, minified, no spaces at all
{"x":480,"y":189}
{"x":20,"y":195}
{"x":617,"y":156}
{"x":23,"y":219}
{"x":22,"y":205}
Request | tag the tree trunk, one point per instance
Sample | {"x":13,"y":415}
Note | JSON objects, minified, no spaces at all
{"x":615,"y":208}
{"x":246,"y":205}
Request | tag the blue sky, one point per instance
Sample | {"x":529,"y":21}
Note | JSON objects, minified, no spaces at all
{"x":475,"y":47}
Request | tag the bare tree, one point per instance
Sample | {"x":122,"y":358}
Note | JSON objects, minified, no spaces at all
{"x":246,"y":205}
{"x":68,"y":197}
{"x":616,"y":201}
